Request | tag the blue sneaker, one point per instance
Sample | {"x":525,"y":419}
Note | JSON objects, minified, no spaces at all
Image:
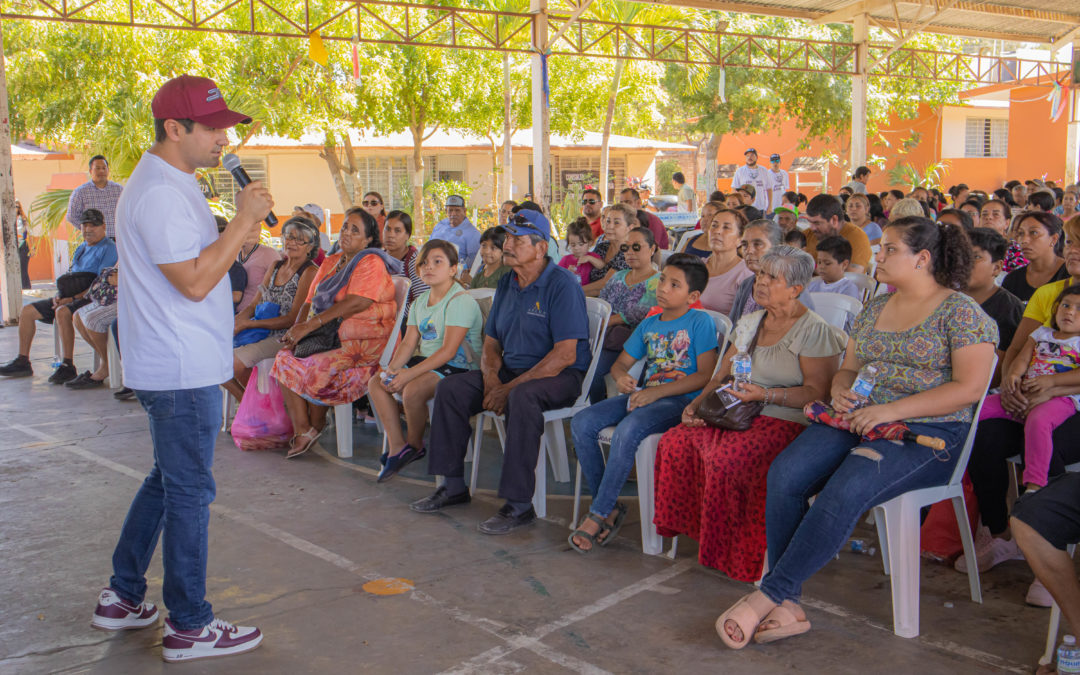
{"x":397,"y":462}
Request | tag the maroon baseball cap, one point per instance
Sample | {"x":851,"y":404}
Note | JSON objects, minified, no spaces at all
{"x":195,"y":98}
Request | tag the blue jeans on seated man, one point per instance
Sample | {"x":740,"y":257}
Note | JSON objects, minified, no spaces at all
{"x":176,"y":495}
{"x":849,"y":477}
{"x":631,"y":429}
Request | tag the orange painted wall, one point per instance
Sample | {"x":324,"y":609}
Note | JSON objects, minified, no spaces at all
{"x":1036,"y":145}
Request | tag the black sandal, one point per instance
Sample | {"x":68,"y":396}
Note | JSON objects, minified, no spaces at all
{"x":593,"y":543}
{"x":613,"y":528}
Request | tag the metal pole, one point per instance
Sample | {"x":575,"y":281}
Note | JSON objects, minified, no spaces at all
{"x":858,"y":93}
{"x":11,"y":280}
{"x":1072,"y":144}
{"x":541,"y":116}
{"x":508,"y":149}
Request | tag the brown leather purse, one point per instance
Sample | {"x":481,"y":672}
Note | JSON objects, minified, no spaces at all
{"x":722,"y":410}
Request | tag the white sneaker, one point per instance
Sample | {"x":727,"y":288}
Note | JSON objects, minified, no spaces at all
{"x":115,"y":613}
{"x":1038,"y":596}
{"x":219,"y":638}
{"x":995,"y":552}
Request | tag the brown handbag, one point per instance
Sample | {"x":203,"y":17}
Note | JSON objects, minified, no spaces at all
{"x":722,"y":410}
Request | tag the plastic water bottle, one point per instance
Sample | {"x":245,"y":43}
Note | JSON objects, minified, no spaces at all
{"x":387,"y":378}
{"x":861,"y":547}
{"x":740,"y":369}
{"x":864,"y":384}
{"x":1068,"y":656}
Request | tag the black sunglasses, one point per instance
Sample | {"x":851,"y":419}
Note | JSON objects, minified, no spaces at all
{"x":590,"y":201}
{"x":636,"y":248}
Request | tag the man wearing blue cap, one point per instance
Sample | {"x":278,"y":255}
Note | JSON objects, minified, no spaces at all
{"x":781,"y":182}
{"x":536,"y":352}
{"x":456,"y":229}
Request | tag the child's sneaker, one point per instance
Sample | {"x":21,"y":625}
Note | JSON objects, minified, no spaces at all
{"x":219,"y":638}
{"x":115,"y":613}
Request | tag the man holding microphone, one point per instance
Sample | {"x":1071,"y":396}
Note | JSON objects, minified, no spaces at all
{"x":176,"y":325}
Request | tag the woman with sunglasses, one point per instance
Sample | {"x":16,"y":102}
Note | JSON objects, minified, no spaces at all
{"x":632,"y":293}
{"x":373,"y":204}
{"x":617,"y":220}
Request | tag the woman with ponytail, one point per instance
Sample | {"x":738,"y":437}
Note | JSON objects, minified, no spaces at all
{"x":931,"y":346}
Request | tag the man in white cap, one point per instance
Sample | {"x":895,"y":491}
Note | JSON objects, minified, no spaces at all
{"x":176,"y":326}
{"x":456,"y":229}
{"x":755,"y":175}
{"x":781,"y":182}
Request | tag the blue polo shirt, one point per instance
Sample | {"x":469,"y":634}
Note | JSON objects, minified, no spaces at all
{"x":94,"y":258}
{"x":528,"y":321}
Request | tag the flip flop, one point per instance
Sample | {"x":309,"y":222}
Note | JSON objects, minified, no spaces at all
{"x":614,"y":528}
{"x":788,"y":625}
{"x":745,"y":617}
{"x":308,"y":439}
{"x":604,"y":527}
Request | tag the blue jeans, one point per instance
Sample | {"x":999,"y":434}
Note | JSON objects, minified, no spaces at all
{"x":630,"y":430}
{"x":833,"y":465}
{"x":176,"y":496}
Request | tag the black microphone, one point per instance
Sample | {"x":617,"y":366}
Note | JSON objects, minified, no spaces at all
{"x":232,"y":163}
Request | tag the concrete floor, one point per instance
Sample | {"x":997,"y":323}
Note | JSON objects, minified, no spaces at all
{"x":293,"y":544}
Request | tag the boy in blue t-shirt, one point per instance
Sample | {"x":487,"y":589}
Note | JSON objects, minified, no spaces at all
{"x":680,"y":352}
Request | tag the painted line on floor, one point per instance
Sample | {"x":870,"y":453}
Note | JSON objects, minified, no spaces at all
{"x":495,"y":629}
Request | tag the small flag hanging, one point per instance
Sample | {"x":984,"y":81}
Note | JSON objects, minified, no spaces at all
{"x":723,"y":84}
{"x":316,"y":49}
{"x":355,"y":63}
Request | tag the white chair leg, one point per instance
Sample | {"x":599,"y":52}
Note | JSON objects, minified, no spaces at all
{"x":960,"y":508}
{"x":478,"y":438}
{"x":58,"y":352}
{"x":555,"y":440}
{"x":226,"y":408}
{"x":343,"y":429}
{"x":902,"y":527}
{"x":882,"y":535}
{"x":577,"y":498}
{"x":651,"y":542}
{"x":116,"y":371}
{"x":540,"y":491}
{"x":1055,"y":625}
{"x":674,"y":547}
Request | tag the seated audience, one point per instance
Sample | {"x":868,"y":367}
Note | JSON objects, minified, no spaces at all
{"x":93,"y":321}
{"x":92,"y":256}
{"x":759,"y":237}
{"x":631,"y":294}
{"x":282,"y":284}
{"x":826,"y":215}
{"x":988,"y":249}
{"x":492,"y":268}
{"x":833,"y":258}
{"x":972,"y":207}
{"x":536,"y":352}
{"x":632,"y":198}
{"x":710,"y":482}
{"x":1039,"y":236}
{"x":787,"y":217}
{"x":256,"y":259}
{"x":580,"y":260}
{"x":617,"y":221}
{"x":397,"y":231}
{"x":1050,"y":351}
{"x":699,"y":245}
{"x":352,"y":295}
{"x":1070,"y":201}
{"x":997,"y":215}
{"x":444,"y":326}
{"x":1046,"y":523}
{"x":679,"y":349}
{"x":553,"y":243}
{"x":506,"y":209}
{"x":796,"y":238}
{"x":726,"y":269}
{"x":733,"y":200}
{"x":238,"y":276}
{"x":931,"y":389}
{"x":908,"y":208}
{"x":857,"y":208}
{"x":889,"y":199}
{"x":372,"y":202}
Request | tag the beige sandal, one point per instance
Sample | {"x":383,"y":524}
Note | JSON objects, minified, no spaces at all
{"x":744,"y":617}
{"x":787,"y":625}
{"x":303,"y":442}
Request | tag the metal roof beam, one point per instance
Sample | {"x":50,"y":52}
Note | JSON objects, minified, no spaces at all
{"x":852,"y":10}
{"x":1064,"y":39}
{"x":1004,"y":11}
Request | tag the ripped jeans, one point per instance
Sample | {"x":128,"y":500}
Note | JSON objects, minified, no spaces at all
{"x":849,"y":477}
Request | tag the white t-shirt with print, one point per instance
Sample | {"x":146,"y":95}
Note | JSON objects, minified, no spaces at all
{"x":760,"y":178}
{"x":168,"y":341}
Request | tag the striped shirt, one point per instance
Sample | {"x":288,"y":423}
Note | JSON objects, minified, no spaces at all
{"x":90,"y":196}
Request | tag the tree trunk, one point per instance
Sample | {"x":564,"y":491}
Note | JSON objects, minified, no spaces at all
{"x":712,"y":170}
{"x":352,"y":173}
{"x":613,"y":92}
{"x":329,"y":153}
{"x":495,"y":179}
{"x":508,"y":150}
{"x":417,"y":131}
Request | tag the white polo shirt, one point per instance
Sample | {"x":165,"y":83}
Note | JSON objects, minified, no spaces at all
{"x":166,"y":340}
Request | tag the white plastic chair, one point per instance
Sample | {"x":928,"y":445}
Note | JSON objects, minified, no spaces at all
{"x":836,"y":308}
{"x":112,"y":352}
{"x":664,"y":255}
{"x":645,"y":459}
{"x":58,"y":350}
{"x":867,"y":284}
{"x":343,"y":413}
{"x":685,"y":240}
{"x":1055,"y":620}
{"x":553,"y":440}
{"x":898,"y":533}
{"x":476,"y":265}
{"x":481,"y":293}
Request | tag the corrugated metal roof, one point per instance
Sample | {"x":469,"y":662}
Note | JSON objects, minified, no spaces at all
{"x":1020,"y":20}
{"x":460,"y":140}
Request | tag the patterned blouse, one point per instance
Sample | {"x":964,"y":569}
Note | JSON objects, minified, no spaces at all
{"x":912,"y":361}
{"x":617,"y":263}
{"x":631,"y":303}
{"x":1014,"y":258}
{"x":285,"y":294}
